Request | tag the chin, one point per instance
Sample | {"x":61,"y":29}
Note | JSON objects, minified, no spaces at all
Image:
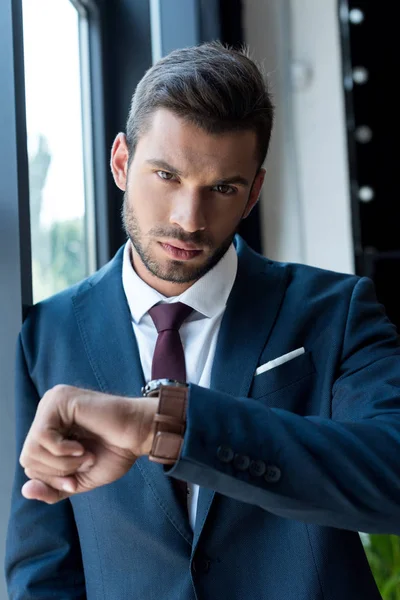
{"x":178,"y":273}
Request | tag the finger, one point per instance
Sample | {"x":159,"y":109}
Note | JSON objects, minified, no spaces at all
{"x":38,"y":490}
{"x":33,"y":451}
{"x":62,"y":484}
{"x":55,"y":443}
{"x":49,"y":465}
{"x":40,"y":447}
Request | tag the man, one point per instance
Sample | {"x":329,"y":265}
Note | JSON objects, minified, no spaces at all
{"x":280,"y":404}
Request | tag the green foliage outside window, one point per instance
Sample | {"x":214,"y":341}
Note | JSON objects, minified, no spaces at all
{"x":383,"y":553}
{"x":58,"y":251}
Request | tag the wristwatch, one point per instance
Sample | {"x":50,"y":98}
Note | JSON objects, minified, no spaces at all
{"x":170,"y":418}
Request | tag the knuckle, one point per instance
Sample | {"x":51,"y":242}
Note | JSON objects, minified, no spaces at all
{"x":28,"y":454}
{"x":60,"y":388}
{"x":57,"y":391}
{"x":30,"y":473}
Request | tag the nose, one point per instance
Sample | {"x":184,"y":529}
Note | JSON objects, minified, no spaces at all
{"x":188,"y":212}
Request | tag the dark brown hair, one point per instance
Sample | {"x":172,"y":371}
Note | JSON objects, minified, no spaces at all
{"x":215,"y":87}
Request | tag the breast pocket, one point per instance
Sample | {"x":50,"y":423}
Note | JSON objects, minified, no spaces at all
{"x":282,"y":376}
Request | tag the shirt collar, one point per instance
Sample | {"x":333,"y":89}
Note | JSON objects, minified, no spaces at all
{"x":208,"y":295}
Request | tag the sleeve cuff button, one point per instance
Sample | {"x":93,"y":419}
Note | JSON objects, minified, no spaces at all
{"x":273,"y":474}
{"x":225,"y":454}
{"x":257,"y":468}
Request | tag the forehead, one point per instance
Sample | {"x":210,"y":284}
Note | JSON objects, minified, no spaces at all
{"x":183,"y":144}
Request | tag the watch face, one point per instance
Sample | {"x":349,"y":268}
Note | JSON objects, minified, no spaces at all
{"x":154,"y":385}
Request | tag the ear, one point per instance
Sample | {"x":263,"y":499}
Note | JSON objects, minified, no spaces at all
{"x":254,"y":193}
{"x":119,"y":161}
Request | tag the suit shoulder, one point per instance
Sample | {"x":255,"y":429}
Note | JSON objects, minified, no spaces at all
{"x":296,"y":272}
{"x":300,"y":273}
{"x":56,"y":310}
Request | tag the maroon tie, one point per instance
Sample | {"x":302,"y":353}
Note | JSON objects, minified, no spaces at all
{"x":169,"y":359}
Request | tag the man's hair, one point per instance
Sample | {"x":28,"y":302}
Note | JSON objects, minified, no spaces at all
{"x":215,"y":87}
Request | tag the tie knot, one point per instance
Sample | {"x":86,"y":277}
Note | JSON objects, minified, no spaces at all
{"x":169,"y":316}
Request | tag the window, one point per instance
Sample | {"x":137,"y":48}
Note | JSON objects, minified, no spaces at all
{"x":56,"y":54}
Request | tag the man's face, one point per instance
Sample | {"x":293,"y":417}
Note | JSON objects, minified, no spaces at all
{"x":186,"y":192}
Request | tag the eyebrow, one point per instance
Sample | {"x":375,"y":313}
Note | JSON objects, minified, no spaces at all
{"x":164,"y":166}
{"x":237,"y":179}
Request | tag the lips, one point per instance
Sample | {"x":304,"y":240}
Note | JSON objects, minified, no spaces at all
{"x":179,"y":253}
{"x":182,"y":246}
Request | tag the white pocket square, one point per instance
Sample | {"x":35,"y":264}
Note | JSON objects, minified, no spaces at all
{"x":279,"y":361}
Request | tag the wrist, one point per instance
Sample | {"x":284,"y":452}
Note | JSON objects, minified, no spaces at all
{"x":148,"y":425}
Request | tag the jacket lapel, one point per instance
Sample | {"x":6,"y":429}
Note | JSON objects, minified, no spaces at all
{"x":104,"y":321}
{"x":250,"y":314}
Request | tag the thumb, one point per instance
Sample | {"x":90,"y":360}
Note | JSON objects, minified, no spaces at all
{"x":37,"y":490}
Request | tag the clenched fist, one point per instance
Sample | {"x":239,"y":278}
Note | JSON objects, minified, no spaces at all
{"x":81,"y":439}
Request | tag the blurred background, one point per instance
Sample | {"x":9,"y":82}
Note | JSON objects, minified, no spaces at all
{"x":68,"y":69}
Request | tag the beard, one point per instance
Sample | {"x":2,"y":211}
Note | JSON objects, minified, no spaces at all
{"x":173,"y":270}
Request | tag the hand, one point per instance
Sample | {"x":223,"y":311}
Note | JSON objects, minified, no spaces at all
{"x":81,"y":439}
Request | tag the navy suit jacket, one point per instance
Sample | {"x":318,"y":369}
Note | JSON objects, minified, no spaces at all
{"x":326,"y":424}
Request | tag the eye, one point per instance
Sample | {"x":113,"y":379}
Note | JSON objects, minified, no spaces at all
{"x":225,"y":189}
{"x":165,"y":175}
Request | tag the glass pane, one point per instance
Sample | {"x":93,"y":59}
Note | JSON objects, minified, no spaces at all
{"x":55,"y":145}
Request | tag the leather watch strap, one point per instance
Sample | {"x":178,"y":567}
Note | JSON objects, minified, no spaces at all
{"x":170,"y":421}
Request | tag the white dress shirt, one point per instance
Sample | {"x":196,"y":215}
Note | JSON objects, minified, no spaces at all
{"x":208,"y":297}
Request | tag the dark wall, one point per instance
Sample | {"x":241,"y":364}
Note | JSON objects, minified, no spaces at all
{"x":372,"y":109}
{"x":232,"y":34}
{"x":127,"y":55}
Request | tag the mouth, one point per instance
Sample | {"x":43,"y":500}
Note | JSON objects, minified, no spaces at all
{"x":181,"y":251}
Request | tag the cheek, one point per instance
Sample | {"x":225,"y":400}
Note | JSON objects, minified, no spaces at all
{"x":225,"y":215}
{"x":148,"y":204}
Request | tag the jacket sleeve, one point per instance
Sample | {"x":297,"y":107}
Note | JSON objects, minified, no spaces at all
{"x":342,"y":471}
{"x":43,"y":556}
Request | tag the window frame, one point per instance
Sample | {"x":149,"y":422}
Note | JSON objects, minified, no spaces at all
{"x":94,"y":134}
{"x":15,"y":257}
